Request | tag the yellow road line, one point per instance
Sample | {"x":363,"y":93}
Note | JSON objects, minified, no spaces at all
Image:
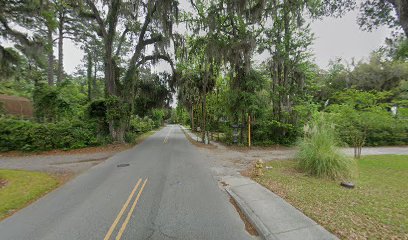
{"x":167,"y":136}
{"x":124,"y":224}
{"x":112,"y":228}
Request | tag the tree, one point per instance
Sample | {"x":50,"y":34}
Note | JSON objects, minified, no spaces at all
{"x":16,"y":15}
{"x":147,"y":23}
{"x":393,"y":13}
{"x":70,"y":26}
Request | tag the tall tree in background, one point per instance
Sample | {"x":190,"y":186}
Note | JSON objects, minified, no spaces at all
{"x":286,"y":40}
{"x":70,"y":25}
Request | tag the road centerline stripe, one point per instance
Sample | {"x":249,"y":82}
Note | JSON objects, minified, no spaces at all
{"x":124,"y":224}
{"x":119,"y":216}
{"x":168,"y":134}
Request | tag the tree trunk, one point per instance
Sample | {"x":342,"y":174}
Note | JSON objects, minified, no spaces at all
{"x":204,"y":111}
{"x":109,"y":72}
{"x":286,"y":42}
{"x":60,"y":74}
{"x":204,"y":106}
{"x":192,"y":117}
{"x":401,"y":8}
{"x":50,"y":67}
{"x":89,"y":76}
{"x":117,"y":130}
{"x":94,"y":86}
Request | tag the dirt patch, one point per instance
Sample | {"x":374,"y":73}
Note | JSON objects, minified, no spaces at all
{"x":248,"y":225}
{"x":249,"y":171}
{"x":246,"y":149}
{"x":224,"y":184}
{"x":3,"y":183}
{"x":63,"y":177}
{"x":87,"y":150}
{"x":96,"y":161}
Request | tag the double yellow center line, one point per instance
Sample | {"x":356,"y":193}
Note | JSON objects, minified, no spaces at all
{"x":122,"y":211}
{"x":167,"y":136}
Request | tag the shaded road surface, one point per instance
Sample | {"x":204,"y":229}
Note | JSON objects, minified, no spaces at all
{"x":179,"y":200}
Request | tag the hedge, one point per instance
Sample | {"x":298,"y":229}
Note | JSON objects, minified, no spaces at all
{"x":26,"y":135}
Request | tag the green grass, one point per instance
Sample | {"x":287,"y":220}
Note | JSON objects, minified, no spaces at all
{"x":22,"y":187}
{"x":376,"y":209}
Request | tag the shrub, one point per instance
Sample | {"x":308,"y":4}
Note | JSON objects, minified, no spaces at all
{"x":374,"y":126}
{"x":157,"y":115}
{"x":319,"y":154}
{"x":138,"y":126}
{"x":267,"y":132}
{"x":49,"y":106}
{"x":31,"y":136}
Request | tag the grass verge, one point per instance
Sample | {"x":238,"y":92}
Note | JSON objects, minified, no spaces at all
{"x":376,"y":209}
{"x":21,"y":188}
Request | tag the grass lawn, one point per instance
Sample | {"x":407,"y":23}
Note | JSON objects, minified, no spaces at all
{"x":376,"y":209}
{"x":18,"y":188}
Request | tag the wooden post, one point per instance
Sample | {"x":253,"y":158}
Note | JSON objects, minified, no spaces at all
{"x":249,"y":130}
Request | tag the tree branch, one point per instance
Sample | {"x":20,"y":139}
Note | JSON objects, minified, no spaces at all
{"x":121,"y":40}
{"x":140,"y":44}
{"x":156,"y":57}
{"x":98,"y":18}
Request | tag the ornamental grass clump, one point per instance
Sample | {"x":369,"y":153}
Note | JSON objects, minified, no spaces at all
{"x":319,"y":154}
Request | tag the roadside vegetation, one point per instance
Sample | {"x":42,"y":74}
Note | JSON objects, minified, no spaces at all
{"x":117,"y":93}
{"x":19,"y":188}
{"x":319,"y":153}
{"x":375,"y":209}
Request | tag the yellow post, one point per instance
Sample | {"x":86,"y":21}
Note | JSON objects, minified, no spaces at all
{"x":249,"y":130}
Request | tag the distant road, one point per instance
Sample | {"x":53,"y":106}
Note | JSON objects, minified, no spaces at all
{"x":161,"y":189}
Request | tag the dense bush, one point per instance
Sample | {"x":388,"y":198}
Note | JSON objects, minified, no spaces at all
{"x":266,"y":132}
{"x":138,"y":126}
{"x":31,"y":136}
{"x":319,"y":155}
{"x":366,"y":122}
{"x":157,"y":116}
{"x":96,"y":111}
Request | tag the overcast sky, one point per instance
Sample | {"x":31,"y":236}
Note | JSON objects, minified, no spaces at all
{"x":335,"y":37}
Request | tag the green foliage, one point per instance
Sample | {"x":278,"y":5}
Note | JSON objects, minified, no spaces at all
{"x":157,"y":116}
{"x":319,"y":154}
{"x":96,"y":111}
{"x":116,"y":109}
{"x":152,"y":92}
{"x":362,"y":119}
{"x":48,"y":105}
{"x":137,"y":127}
{"x":141,"y":125}
{"x":30,"y":136}
{"x":16,"y":88}
{"x":267,"y":132}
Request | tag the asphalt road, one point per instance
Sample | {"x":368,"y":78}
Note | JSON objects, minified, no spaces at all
{"x":166,"y":192}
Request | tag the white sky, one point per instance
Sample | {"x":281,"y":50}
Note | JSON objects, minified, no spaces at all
{"x":342,"y":37}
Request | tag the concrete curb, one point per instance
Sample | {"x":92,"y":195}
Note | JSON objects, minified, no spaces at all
{"x":252,"y":217}
{"x":272,"y":216}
